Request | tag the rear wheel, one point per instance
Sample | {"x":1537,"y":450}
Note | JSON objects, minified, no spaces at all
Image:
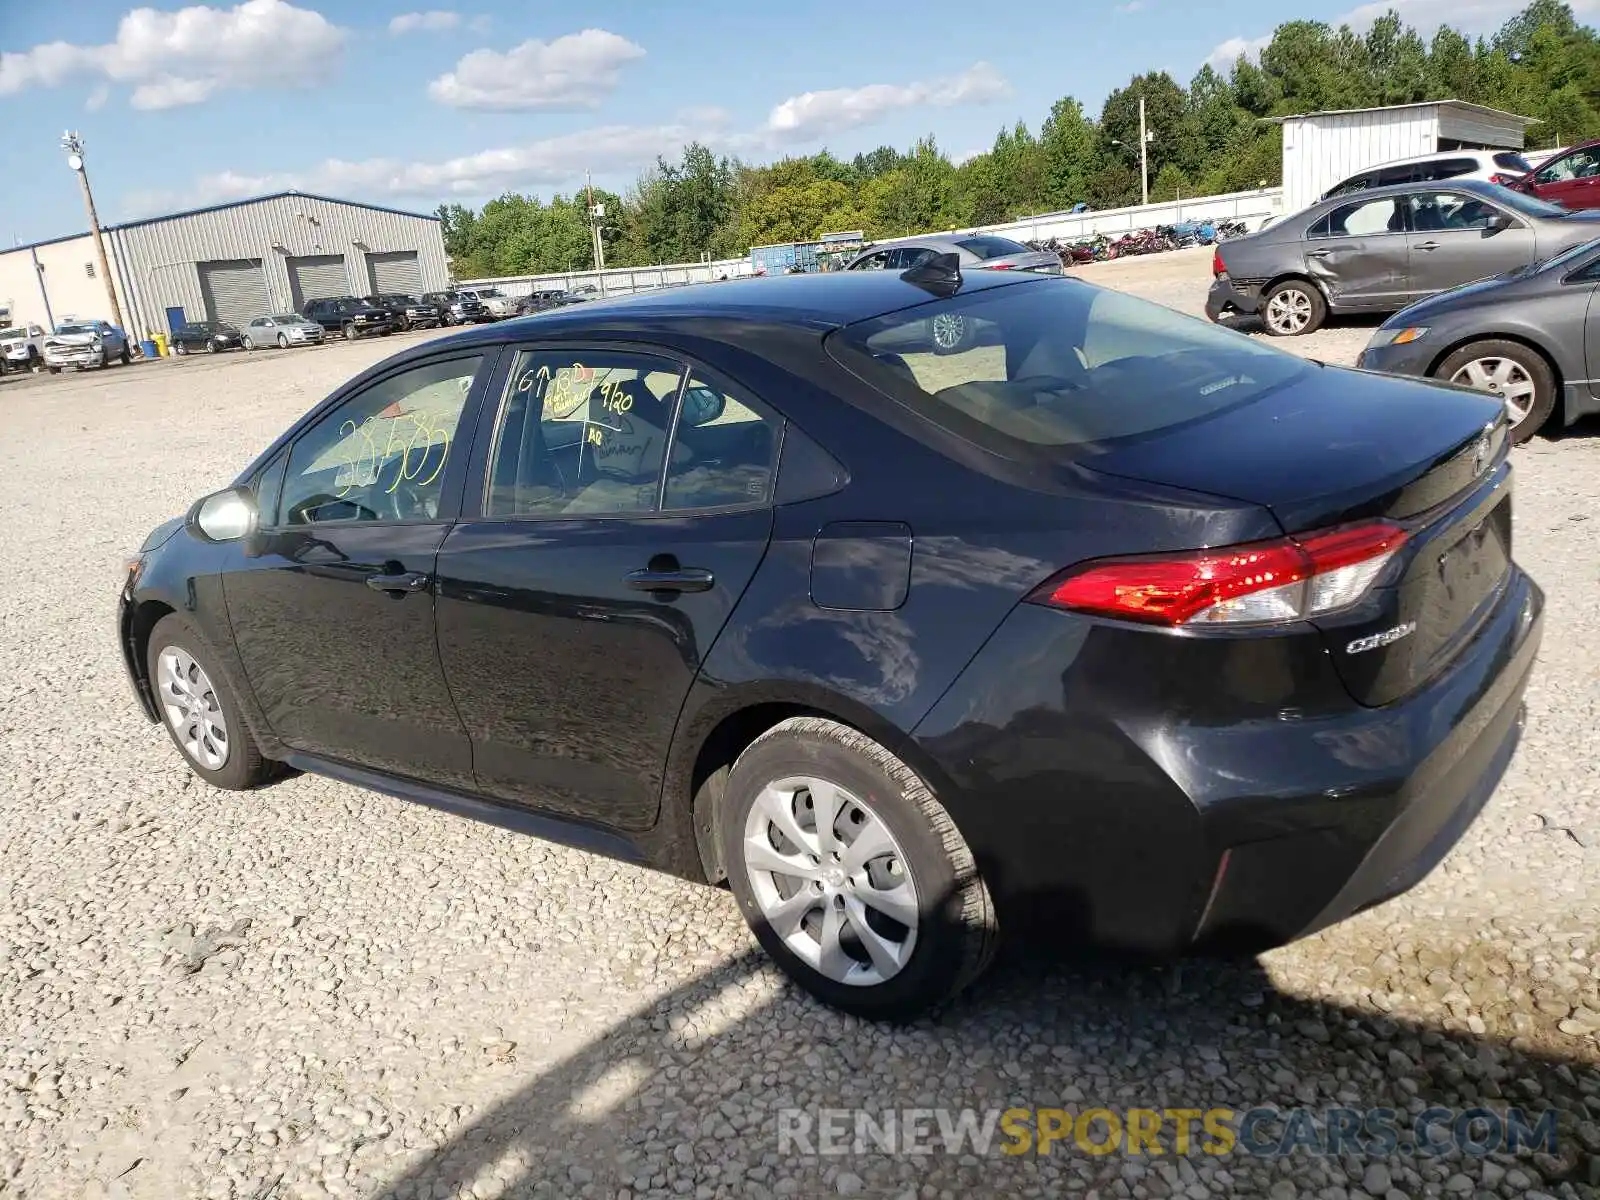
{"x":1518,"y":375}
{"x":1293,"y":307}
{"x":126,"y":356}
{"x":851,"y":874}
{"x":199,"y":714}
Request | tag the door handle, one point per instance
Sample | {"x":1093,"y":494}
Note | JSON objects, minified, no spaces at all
{"x":407,"y":581}
{"x":686,"y":579}
{"x":1428,"y":246}
{"x":1318,"y":253}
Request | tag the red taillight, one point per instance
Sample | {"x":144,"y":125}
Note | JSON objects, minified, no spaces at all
{"x":1292,"y":579}
{"x":1218,"y":267}
{"x":1001,"y":266}
{"x":1502,"y":180}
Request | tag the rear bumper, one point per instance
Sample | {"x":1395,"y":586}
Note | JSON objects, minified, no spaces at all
{"x":1227,"y":295}
{"x":1124,"y":804}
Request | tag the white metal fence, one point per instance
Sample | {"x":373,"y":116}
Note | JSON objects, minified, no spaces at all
{"x":1253,"y":208}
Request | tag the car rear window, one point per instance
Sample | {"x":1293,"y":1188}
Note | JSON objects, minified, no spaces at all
{"x":989,"y":246}
{"x":1057,"y":367}
{"x":1510,"y":161}
{"x":1448,"y":168}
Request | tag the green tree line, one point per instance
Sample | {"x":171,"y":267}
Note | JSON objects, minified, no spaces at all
{"x":1205,"y":139}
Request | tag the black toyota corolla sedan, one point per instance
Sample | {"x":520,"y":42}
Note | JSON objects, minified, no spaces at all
{"x":1111,"y":623}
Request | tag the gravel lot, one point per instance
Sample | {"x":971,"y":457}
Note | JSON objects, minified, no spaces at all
{"x":314,"y":990}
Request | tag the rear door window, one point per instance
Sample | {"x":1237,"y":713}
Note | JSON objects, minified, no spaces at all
{"x":1056,"y":367}
{"x":1362,"y":218}
{"x":1447,"y":168}
{"x":989,"y":246}
{"x":1405,"y":173}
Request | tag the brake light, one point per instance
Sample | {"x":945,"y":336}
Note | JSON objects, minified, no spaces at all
{"x":1218,"y":267}
{"x":1502,"y":180}
{"x":1001,"y":266}
{"x":1291,"y":579}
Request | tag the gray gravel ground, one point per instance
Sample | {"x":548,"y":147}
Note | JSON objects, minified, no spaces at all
{"x":313,"y":990}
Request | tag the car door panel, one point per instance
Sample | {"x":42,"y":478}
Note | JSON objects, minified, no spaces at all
{"x":568,"y":675}
{"x":573,"y":613}
{"x":1452,"y":244}
{"x":333,"y":602}
{"x":1358,"y":253}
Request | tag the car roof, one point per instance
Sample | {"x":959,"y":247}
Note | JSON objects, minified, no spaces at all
{"x":820,"y":300}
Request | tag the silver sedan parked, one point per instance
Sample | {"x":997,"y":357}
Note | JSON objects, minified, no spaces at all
{"x":282,"y":330}
{"x":1385,"y":248}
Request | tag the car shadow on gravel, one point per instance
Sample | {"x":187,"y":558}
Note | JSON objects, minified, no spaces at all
{"x":697,"y":1093}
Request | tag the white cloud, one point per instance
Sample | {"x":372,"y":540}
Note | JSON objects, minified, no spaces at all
{"x":182,"y":57}
{"x":1471,"y":17}
{"x":814,"y":114}
{"x":435,"y":20}
{"x":1235,"y":48}
{"x":97,"y":99}
{"x":574,"y":71}
{"x":550,"y":163}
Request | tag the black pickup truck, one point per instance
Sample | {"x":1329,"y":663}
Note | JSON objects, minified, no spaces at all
{"x":348,"y":316}
{"x":409,"y":312}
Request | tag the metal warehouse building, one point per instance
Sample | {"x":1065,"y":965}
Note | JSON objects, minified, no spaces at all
{"x":1320,"y":149}
{"x":230,"y":262}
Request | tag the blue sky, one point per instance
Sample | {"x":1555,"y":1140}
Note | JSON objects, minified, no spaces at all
{"x":411,"y":104}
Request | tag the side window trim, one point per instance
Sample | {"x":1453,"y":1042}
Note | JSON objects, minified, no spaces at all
{"x":766,"y":412}
{"x":476,"y":479}
{"x":475,"y":482}
{"x":450,"y":493}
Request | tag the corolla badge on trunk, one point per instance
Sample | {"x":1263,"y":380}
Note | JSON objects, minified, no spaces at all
{"x":1387,"y":638}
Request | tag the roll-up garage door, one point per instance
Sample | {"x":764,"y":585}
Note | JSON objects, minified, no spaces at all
{"x":234,"y":290}
{"x":316,"y":277}
{"x":395,"y":273}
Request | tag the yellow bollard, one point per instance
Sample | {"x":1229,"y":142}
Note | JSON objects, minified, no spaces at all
{"x":160,"y":340}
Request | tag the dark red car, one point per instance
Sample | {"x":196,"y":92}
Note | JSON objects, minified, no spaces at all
{"x":1570,"y":179}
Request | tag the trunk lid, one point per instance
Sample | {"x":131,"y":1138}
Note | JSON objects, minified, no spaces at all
{"x":1334,"y":447}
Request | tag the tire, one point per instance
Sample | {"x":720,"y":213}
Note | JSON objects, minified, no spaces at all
{"x":211,"y":346}
{"x":34,"y":361}
{"x":55,"y":370}
{"x":955,"y":934}
{"x":449,"y":319}
{"x":950,"y":333}
{"x":247,"y":344}
{"x":351,"y":333}
{"x":179,"y":349}
{"x":1519,"y":375}
{"x":126,"y":356}
{"x":1292,"y":308}
{"x":283,"y":341}
{"x":220,"y":749}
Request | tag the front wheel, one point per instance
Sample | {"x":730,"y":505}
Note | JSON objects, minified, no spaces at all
{"x":199,"y":714}
{"x":351,"y":333}
{"x":211,"y":346}
{"x":1518,"y":375}
{"x":283,"y":342}
{"x":179,"y":349}
{"x":1293,"y":307}
{"x":247,"y":343}
{"x":851,"y":874}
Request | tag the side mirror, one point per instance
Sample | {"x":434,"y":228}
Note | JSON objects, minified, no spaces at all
{"x":225,"y":516}
{"x":701,"y":406}
{"x":1501,"y":221}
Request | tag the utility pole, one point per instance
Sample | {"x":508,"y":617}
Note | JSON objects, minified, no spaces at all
{"x":73,"y":145}
{"x":1144,"y":156}
{"x":596,"y":213}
